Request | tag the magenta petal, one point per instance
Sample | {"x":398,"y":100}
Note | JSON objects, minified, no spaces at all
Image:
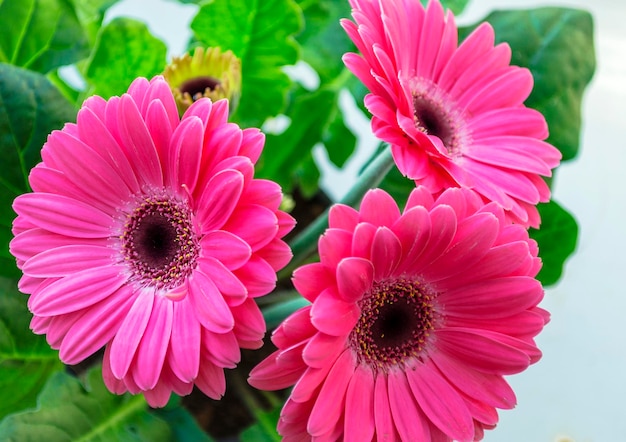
{"x":76,"y":291}
{"x":331,"y":398}
{"x":488,"y":388}
{"x":440,"y":402}
{"x":64,"y":260}
{"x":386,"y":253}
{"x":227,"y":283}
{"x":257,"y":225}
{"x":333,"y":316}
{"x":184,"y":354}
{"x":311,"y":279}
{"x":63,"y":215}
{"x":385,"y":428}
{"x":359,"y":414}
{"x":95,"y":327}
{"x":379,"y":208}
{"x":249,"y":321}
{"x":354,"y":278}
{"x":114,"y":384}
{"x":186,"y":152}
{"x":343,"y":217}
{"x":406,"y":413}
{"x":482,"y":350}
{"x":137,"y":143}
{"x":209,"y":304}
{"x":219,"y":199}
{"x":130,"y":333}
{"x":268,"y":376}
{"x":211,"y":380}
{"x":226,"y":247}
{"x":154,"y":344}
{"x":258,"y":276}
{"x":221,"y":348}
{"x":322,"y":348}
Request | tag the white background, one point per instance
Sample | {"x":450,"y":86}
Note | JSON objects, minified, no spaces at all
{"x":577,"y":392}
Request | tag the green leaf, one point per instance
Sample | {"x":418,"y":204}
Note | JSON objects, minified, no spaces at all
{"x":40,"y":34}
{"x":69,"y":411}
{"x":338,"y":139}
{"x":456,"y":6}
{"x":557,"y":239}
{"x":124,"y":51}
{"x":182,"y":424}
{"x":30,"y":108}
{"x":288,"y":156}
{"x":265,"y":428}
{"x":260,"y":33}
{"x":556,"y":44}
{"x":323,"y":39}
{"x":26,"y":360}
{"x":90,"y":13}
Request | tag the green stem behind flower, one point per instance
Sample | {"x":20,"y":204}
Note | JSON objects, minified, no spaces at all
{"x":304,"y":244}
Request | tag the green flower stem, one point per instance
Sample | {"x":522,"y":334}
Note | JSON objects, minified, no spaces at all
{"x":305,"y":243}
{"x":275,"y":314}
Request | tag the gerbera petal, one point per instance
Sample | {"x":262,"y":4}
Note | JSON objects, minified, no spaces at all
{"x":386,"y":252}
{"x":211,"y":309}
{"x":226,"y":247}
{"x":333,"y":316}
{"x":77,"y":291}
{"x":95,"y":327}
{"x":211,"y":380}
{"x":258,"y":276}
{"x":311,"y":279}
{"x":185,"y":152}
{"x":441,"y":403}
{"x":227,"y":283}
{"x":63,"y":215}
{"x":379,"y":209}
{"x":67,"y":259}
{"x":184,"y":352}
{"x":354,"y":278}
{"x":153,"y":346}
{"x":219,"y":199}
{"x":404,"y":410}
{"x":331,"y":399}
{"x":359,"y":414}
{"x":221,"y":348}
{"x":344,"y":217}
{"x":125,"y":343}
{"x":385,"y":428}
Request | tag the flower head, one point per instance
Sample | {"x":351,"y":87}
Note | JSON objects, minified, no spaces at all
{"x":149,"y":234}
{"x":208,"y":73}
{"x":454,"y":115}
{"x":415,"y":318}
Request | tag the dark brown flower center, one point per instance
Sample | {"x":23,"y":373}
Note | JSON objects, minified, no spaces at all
{"x":397,"y":317}
{"x":431,"y":119}
{"x":159,"y":243}
{"x":196,"y":87}
{"x":436,"y":114}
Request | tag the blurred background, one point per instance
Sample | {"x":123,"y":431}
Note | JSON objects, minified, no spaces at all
{"x":577,"y":391}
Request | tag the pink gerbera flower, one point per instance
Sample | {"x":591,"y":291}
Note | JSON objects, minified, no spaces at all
{"x":148,"y":234}
{"x":453,"y":115}
{"x":415,"y":318}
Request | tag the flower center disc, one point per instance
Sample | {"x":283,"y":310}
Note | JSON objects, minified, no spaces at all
{"x":436,"y":114}
{"x":196,"y":87}
{"x":396,"y":319}
{"x":159,"y":243}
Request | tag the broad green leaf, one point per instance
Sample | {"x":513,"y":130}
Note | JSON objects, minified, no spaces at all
{"x":124,"y":51}
{"x":260,"y":33}
{"x":70,"y":411}
{"x":26,"y":359}
{"x":288,"y":155}
{"x":557,"y":239}
{"x":338,"y":138}
{"x":40,"y":35}
{"x":30,"y":108}
{"x":184,"y":427}
{"x":264,"y":430}
{"x":323,"y":40}
{"x":90,"y":14}
{"x":556,"y":44}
